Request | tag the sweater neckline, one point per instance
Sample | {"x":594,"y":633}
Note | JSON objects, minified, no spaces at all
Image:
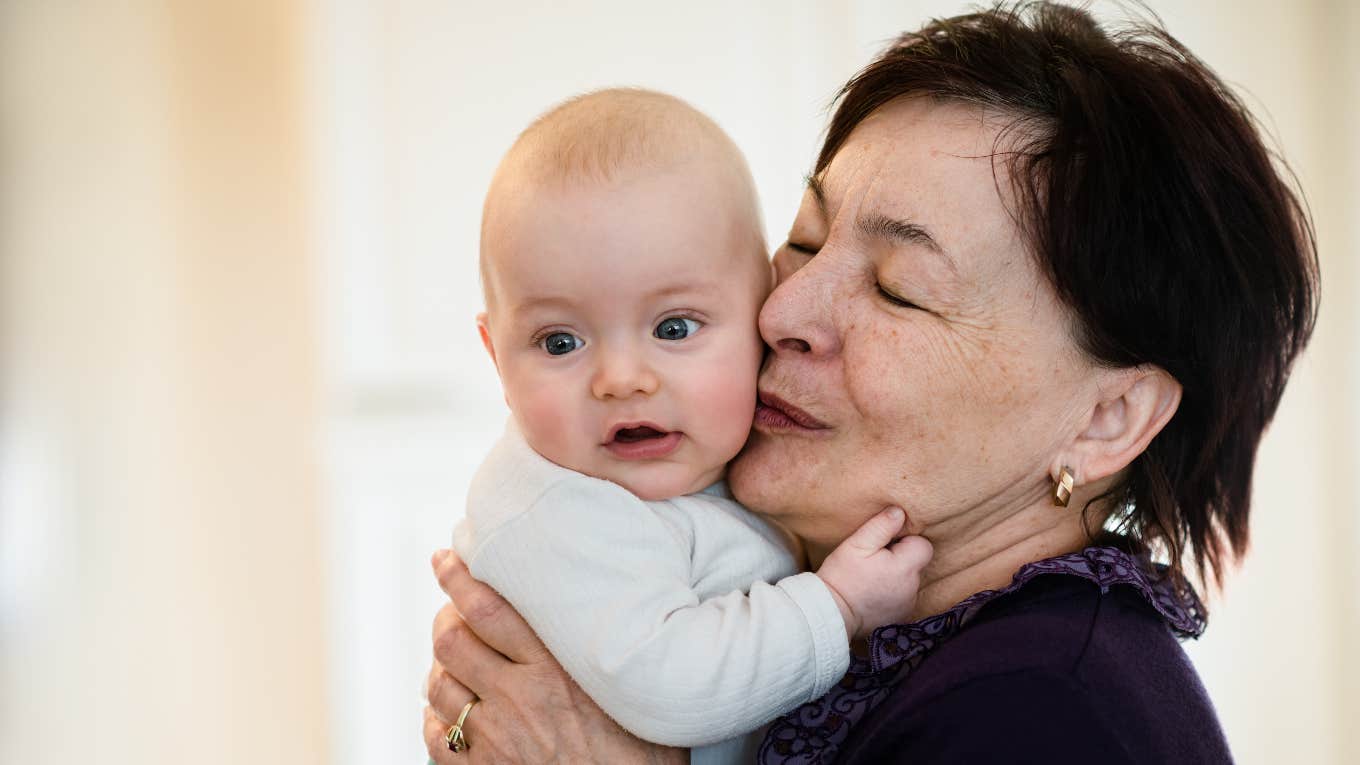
{"x":813,"y":733}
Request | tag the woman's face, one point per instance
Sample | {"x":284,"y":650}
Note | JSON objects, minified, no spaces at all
{"x":932,"y":364}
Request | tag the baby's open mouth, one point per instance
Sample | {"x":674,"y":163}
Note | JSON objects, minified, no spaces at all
{"x":632,"y":435}
{"x":642,"y":441}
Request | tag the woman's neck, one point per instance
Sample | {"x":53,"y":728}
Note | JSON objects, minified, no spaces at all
{"x":988,"y":561}
{"x":974,"y":553}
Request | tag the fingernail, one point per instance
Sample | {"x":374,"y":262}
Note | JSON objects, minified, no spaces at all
{"x":896,"y":513}
{"x":439,"y":556}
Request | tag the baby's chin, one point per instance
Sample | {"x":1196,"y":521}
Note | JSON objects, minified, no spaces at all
{"x":656,"y":480}
{"x":653,"y":488}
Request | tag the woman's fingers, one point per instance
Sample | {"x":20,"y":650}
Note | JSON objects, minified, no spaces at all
{"x":445,"y":694}
{"x":463,"y":655}
{"x":486,"y":612}
{"x":483,"y":742}
{"x":434,"y":730}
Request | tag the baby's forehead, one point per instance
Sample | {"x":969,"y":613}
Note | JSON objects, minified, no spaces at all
{"x":609,"y":139}
{"x":621,"y":244}
{"x":702,"y":205}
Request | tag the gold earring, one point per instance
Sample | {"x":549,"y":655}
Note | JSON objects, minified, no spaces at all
{"x":1062,"y":491}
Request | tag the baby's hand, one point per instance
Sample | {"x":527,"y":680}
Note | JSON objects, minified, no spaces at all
{"x":875,"y":584}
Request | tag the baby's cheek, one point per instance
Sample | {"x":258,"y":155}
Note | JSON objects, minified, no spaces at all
{"x":546,"y":422}
{"x":727,"y":402}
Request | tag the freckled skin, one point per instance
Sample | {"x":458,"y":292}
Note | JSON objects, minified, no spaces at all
{"x":952,"y":412}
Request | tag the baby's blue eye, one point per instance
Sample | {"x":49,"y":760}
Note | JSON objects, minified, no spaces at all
{"x":675,"y":328}
{"x":561,"y":343}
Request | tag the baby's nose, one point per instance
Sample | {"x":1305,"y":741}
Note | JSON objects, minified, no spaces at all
{"x":621,"y":374}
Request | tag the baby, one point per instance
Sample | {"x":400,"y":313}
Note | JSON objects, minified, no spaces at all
{"x":624,"y":266}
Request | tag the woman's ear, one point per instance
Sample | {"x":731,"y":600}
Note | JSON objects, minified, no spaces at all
{"x":484,"y":330}
{"x":1133,"y":407}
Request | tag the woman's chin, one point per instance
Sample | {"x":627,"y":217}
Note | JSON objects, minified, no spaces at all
{"x":765,"y":481}
{"x":747,"y":477}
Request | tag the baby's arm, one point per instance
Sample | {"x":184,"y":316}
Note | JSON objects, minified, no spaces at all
{"x":606,"y":583}
{"x":873,"y":578}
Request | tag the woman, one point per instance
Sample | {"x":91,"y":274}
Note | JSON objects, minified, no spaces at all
{"x":1044,"y":291}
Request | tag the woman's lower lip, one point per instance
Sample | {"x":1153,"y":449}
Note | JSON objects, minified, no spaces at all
{"x":647,"y":449}
{"x":769,"y":418}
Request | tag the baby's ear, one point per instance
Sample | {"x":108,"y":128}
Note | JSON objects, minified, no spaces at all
{"x":484,"y":330}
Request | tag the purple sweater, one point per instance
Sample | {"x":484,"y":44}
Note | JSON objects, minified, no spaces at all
{"x":1076,"y":661}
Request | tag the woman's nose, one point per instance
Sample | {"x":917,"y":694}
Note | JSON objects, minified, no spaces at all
{"x":798,"y":316}
{"x":622,"y":373}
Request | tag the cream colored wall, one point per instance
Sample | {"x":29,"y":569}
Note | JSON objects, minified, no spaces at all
{"x":162,"y":581}
{"x":242,"y":396}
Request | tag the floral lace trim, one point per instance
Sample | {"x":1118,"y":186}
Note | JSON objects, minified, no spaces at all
{"x":813,"y":733}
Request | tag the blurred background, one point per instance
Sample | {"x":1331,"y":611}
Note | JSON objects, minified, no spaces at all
{"x":243,"y":394}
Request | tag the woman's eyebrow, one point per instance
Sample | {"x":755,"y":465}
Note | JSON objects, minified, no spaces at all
{"x":814,"y":184}
{"x":903,"y":232}
{"x":883,"y":227}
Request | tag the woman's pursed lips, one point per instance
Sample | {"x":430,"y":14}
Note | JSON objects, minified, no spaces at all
{"x":774,"y":413}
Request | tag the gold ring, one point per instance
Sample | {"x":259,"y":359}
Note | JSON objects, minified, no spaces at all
{"x":455,"y":739}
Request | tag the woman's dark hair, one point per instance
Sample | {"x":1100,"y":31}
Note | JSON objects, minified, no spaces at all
{"x":1151,"y":203}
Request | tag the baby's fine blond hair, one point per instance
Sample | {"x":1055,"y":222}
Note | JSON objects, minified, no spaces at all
{"x":603,"y":136}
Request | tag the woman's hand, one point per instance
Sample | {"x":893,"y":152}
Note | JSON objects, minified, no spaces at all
{"x":530,"y":710}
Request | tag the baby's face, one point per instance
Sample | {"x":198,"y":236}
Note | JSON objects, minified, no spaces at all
{"x":623,"y":323}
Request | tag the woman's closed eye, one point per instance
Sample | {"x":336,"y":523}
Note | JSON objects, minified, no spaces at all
{"x":802,"y":248}
{"x":894,"y":299}
{"x":559,"y":343}
{"x":675,"y":328}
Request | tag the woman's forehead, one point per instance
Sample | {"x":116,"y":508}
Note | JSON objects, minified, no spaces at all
{"x":928,"y":163}
{"x":912,"y":143}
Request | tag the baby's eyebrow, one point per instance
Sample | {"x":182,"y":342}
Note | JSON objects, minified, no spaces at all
{"x":543,"y":301}
{"x":684,"y":288}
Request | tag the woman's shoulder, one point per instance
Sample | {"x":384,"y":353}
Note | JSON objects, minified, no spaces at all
{"x":1052,"y":623}
{"x":1031,"y":714}
{"x":1060,"y":668}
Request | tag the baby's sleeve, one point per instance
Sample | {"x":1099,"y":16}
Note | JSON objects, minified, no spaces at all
{"x":606,"y":583}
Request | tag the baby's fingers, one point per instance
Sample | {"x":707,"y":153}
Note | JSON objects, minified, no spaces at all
{"x":912,"y":553}
{"x":878,"y":531}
